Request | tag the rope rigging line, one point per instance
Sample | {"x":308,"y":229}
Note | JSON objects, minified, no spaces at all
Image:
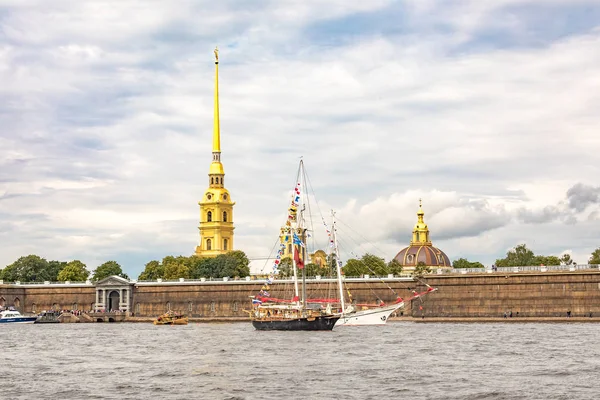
{"x":359,"y":259}
{"x":369,"y":268}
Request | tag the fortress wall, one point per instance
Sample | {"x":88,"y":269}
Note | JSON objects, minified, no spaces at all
{"x":35,"y":298}
{"x":548,"y":294}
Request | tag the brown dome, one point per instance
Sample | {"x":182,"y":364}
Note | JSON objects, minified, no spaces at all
{"x":431,"y":256}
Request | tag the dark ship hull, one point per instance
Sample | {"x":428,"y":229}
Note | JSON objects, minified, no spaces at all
{"x":325,"y":323}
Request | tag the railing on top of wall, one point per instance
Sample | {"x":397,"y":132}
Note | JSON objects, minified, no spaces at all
{"x":259,"y":278}
{"x":529,"y":268}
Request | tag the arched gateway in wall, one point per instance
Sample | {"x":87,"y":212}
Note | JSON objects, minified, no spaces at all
{"x":113,"y":294}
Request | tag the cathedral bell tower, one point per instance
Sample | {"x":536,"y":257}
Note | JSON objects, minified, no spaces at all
{"x":216,"y":208}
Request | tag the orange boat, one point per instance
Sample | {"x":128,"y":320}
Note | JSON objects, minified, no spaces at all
{"x":171,"y":318}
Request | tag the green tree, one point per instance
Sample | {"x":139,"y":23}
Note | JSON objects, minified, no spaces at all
{"x":153,"y":270}
{"x":375,"y":265}
{"x":354,"y":267}
{"x":566,"y":259}
{"x":517,"y":257}
{"x":394,"y":267}
{"x":286,"y":267}
{"x":54,"y":268}
{"x":176,"y":267}
{"x":421,"y":269}
{"x":29,"y":268}
{"x":201,"y":267}
{"x":107,"y":269}
{"x":74,"y":271}
{"x":313,"y":269}
{"x":464,"y":263}
{"x":242,"y":267}
{"x":223,"y":266}
{"x":595,"y":257}
{"x":546,"y":260}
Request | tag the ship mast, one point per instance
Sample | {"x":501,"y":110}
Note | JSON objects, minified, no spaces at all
{"x":338,"y":262}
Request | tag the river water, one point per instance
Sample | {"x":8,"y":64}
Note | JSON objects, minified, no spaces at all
{"x":401,"y":360}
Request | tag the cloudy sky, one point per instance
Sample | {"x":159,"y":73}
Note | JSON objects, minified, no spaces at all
{"x":487,"y":110}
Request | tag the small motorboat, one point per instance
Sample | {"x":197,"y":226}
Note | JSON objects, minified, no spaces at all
{"x":15,"y":317}
{"x":48,"y":317}
{"x":171,"y":318}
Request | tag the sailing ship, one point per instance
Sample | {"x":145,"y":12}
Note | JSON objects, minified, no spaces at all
{"x":298,"y":313}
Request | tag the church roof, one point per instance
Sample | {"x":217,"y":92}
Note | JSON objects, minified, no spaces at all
{"x":421,"y":248}
{"x":430,"y":255}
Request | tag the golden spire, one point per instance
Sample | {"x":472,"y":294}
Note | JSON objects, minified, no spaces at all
{"x":216,"y":129}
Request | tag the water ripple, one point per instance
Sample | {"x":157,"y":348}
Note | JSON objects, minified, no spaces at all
{"x":233,"y":361}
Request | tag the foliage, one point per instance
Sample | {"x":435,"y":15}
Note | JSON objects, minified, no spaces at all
{"x":394,"y":267}
{"x":421,"y":269}
{"x":107,"y":269}
{"x":522,"y":256}
{"x":74,"y":271}
{"x":176,"y":267}
{"x":595,"y":257}
{"x":546,"y":260}
{"x":566,"y":259}
{"x":371,"y":265}
{"x":354,"y":267}
{"x":242,"y":263}
{"x":232,"y":264}
{"x":30,"y":268}
{"x":313,"y":269}
{"x":464,"y":263}
{"x":285,"y":267}
{"x":152,"y":271}
{"x":53,"y":269}
{"x":517,"y":257}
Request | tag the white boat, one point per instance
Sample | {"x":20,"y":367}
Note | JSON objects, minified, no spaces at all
{"x":15,"y":317}
{"x":376,"y":314}
{"x":373,"y":316}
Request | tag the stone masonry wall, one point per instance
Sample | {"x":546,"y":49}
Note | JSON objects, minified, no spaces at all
{"x":548,"y":294}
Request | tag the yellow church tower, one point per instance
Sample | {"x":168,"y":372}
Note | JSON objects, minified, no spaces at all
{"x":216,"y":207}
{"x":420,"y":234}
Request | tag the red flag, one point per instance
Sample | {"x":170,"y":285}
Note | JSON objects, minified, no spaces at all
{"x":299,"y":263}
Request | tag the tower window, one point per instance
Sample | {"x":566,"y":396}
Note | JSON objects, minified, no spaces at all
{"x":209,"y":216}
{"x":224,"y":216}
{"x":221,"y":180}
{"x":224,"y":244}
{"x":208,"y":244}
{"x":417,"y":236}
{"x":224,"y":197}
{"x":212,"y":181}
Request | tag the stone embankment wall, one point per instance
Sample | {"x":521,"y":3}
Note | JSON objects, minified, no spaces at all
{"x":36,"y":298}
{"x":536,"y":294}
{"x":548,"y":294}
{"x":212,"y":300}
